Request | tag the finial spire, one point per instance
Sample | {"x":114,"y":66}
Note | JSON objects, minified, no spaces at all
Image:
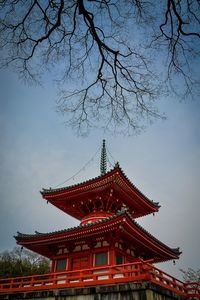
{"x":103,"y":163}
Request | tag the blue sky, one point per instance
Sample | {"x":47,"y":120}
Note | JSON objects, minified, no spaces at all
{"x":38,"y":150}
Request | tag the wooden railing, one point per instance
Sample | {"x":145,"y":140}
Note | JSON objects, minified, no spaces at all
{"x":193,"y":289}
{"x":132,"y":272}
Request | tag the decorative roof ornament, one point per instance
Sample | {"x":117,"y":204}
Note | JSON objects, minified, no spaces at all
{"x":103,"y":163}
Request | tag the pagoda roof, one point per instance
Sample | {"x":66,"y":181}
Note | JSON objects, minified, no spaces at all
{"x":121,"y":223}
{"x":69,"y":198}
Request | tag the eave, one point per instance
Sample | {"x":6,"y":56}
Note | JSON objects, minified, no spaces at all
{"x":123,"y":223}
{"x":115,"y":179}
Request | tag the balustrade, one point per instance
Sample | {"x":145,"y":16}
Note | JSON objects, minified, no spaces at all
{"x":139,"y":271}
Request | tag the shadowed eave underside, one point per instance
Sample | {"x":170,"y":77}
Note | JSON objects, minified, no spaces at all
{"x":123,"y":224}
{"x":115,"y":181}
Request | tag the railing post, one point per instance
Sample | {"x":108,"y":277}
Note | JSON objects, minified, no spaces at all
{"x":146,"y":270}
{"x":110,"y":272}
{"x":81,"y":275}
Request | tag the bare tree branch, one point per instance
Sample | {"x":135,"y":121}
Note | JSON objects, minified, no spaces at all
{"x":105,"y":51}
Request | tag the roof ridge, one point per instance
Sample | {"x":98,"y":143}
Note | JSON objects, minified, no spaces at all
{"x":80,"y":183}
{"x":175,"y":250}
{"x":127,"y":178}
{"x":121,"y":213}
{"x":19,"y":234}
{"x":124,"y":210}
{"x":116,"y":167}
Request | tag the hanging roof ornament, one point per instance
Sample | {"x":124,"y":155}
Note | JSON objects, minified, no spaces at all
{"x":103,"y":163}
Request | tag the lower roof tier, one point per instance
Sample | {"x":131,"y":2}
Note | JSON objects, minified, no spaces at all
{"x":118,"y":227}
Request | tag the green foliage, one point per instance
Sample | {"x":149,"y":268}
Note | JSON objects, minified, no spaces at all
{"x":22,"y":262}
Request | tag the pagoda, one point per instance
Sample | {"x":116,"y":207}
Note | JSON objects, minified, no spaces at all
{"x":107,"y":207}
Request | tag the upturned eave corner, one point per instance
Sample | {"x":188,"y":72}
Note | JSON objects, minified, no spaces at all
{"x":113,"y":179}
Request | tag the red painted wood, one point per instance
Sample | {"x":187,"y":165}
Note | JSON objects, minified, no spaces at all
{"x":113,"y":184}
{"x":80,"y":263}
{"x":95,"y":217}
{"x":120,"y":227}
{"x":140,"y":271}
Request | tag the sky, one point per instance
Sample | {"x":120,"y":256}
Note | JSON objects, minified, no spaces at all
{"x":38,"y":151}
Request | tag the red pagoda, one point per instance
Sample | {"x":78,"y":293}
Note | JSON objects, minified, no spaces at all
{"x":107,"y":207}
{"x":108,"y":254}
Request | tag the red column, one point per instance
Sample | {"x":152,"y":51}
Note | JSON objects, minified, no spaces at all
{"x":112,"y":255}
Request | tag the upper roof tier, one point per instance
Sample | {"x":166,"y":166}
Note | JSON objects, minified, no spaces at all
{"x":106,"y":193}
